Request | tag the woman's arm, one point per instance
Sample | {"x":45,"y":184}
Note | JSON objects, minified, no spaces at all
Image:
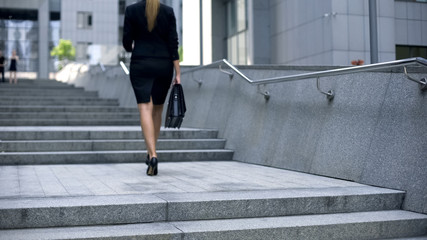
{"x":127,"y":33}
{"x":177,"y":79}
{"x":173,"y":38}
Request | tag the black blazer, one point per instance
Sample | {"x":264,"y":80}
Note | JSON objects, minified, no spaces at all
{"x":162,"y":42}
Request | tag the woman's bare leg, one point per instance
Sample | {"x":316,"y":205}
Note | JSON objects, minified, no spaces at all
{"x":10,"y":77}
{"x":148,"y":128}
{"x":15,"y":78}
{"x":157,"y":119}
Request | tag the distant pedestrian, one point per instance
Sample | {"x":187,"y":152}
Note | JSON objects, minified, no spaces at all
{"x":13,"y":67}
{"x":149,"y":32}
{"x":2,"y":66}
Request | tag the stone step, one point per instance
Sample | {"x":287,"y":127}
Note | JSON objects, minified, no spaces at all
{"x":37,"y":81}
{"x":23,"y":83}
{"x":125,"y":209}
{"x":69,"y":122}
{"x":408,"y":238}
{"x":359,"y":225}
{"x":44,"y":93}
{"x":97,"y":157}
{"x":98,"y":133}
{"x":70,"y":109}
{"x":70,"y":115}
{"x":48,"y":98}
{"x":42,"y":87}
{"x":57,"y":101}
{"x":104,"y":145}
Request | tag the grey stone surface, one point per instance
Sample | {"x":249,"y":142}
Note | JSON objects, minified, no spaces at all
{"x":65,"y":109}
{"x":226,"y":205}
{"x":81,"y":102}
{"x":108,"y":145}
{"x":122,"y":156}
{"x":72,"y":115}
{"x":97,"y":132}
{"x":81,"y":211}
{"x":151,"y":231}
{"x":398,"y":153}
{"x":333,"y":226}
{"x":125,"y":209}
{"x":372,"y":132}
{"x":185,"y":177}
{"x":410,"y":238}
{"x":71,"y":122}
{"x":79,"y":190}
{"x":373,"y":125}
{"x":47,"y":97}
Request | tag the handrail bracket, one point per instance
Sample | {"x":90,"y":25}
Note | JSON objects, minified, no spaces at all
{"x":329,"y":94}
{"x":230,"y":74}
{"x":422,"y":82}
{"x":198,"y":81}
{"x":262,"y":91}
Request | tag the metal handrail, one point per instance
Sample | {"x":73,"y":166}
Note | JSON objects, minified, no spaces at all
{"x":333,"y":72}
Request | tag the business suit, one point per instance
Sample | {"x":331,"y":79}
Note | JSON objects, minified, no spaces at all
{"x":154,"y":56}
{"x":153,"y":53}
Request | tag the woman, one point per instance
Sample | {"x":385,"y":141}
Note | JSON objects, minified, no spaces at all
{"x":149,"y":32}
{"x":12,"y":69}
{"x":2,"y":66}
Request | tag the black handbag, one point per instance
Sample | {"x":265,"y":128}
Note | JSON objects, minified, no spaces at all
{"x":176,"y":107}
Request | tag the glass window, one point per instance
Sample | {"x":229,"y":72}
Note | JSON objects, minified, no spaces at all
{"x":122,"y":7}
{"x":241,"y":15}
{"x":420,"y":1}
{"x":403,"y":51}
{"x":84,"y":20}
{"x":242,"y":48}
{"x":20,"y":35}
{"x":236,"y":31}
{"x":81,"y":51}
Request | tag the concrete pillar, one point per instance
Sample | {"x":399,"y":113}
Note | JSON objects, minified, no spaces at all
{"x":43,"y":15}
{"x":219,"y":31}
{"x":373,"y":30}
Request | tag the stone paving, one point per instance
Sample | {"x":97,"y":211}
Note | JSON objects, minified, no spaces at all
{"x":117,"y":179}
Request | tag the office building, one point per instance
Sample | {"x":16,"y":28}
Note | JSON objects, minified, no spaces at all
{"x":306,"y":32}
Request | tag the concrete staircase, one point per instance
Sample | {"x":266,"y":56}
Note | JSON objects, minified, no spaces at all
{"x":238,"y":201}
{"x":359,"y":213}
{"x":113,"y":144}
{"x":51,"y":103}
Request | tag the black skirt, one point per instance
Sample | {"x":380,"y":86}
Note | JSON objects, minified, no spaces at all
{"x":13,"y":64}
{"x":151,"y":78}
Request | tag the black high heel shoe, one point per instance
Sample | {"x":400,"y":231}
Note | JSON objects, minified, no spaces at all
{"x":147,"y":160}
{"x":152,"y":167}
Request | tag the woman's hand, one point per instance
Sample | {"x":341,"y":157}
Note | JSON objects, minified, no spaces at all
{"x":177,"y":79}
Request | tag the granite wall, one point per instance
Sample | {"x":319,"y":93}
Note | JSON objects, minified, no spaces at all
{"x":373,"y":132}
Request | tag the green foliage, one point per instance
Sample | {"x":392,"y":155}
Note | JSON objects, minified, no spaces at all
{"x":181,"y":53}
{"x":64,"y":50}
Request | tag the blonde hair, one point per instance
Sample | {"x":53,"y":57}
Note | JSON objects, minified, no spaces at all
{"x":151,"y":11}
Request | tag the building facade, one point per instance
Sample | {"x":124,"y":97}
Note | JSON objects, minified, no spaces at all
{"x":33,"y":28}
{"x":313,"y":32}
{"x":291,"y":32}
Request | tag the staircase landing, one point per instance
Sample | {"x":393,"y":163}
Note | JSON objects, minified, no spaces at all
{"x":130,"y":178}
